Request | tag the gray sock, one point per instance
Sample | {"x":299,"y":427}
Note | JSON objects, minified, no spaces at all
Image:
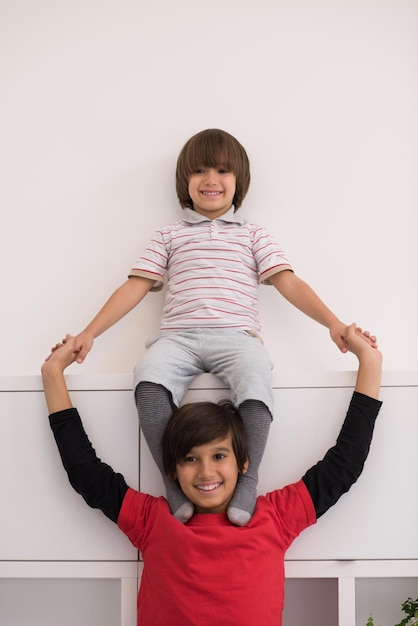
{"x":155,"y":408}
{"x":257,"y":420}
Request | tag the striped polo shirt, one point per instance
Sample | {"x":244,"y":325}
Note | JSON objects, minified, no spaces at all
{"x":212,"y":269}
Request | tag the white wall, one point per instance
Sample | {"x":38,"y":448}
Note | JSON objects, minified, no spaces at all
{"x":98,"y":97}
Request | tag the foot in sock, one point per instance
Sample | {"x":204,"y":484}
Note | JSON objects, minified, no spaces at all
{"x":238,"y":517}
{"x":185,"y":512}
{"x":180,"y":506}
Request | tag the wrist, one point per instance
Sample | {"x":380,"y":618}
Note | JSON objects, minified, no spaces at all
{"x":371,"y":357}
{"x":334,"y":322}
{"x":50,"y":371}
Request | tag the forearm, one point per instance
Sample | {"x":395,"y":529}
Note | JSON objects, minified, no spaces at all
{"x":303,"y":297}
{"x":369,"y":373}
{"x":329,"y":479}
{"x":55,"y":389}
{"x":94,"y":480}
{"x":121,"y":302}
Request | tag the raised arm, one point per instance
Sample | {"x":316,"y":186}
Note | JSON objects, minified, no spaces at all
{"x":329,"y":479}
{"x":304,"y":298}
{"x":96,"y":481}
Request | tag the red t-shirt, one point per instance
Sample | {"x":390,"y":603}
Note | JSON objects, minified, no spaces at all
{"x":209,"y":572}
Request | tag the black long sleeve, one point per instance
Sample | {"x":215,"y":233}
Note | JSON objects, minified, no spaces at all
{"x":329,"y":479}
{"x":100,"y":486}
{"x":103,"y":488}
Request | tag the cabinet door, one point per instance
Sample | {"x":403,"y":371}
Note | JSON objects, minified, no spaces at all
{"x":43,"y":518}
{"x":373,"y":520}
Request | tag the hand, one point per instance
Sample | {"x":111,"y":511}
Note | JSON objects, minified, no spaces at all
{"x":359,"y":341}
{"x":62,"y":355}
{"x":82,"y":345}
{"x":338,"y":331}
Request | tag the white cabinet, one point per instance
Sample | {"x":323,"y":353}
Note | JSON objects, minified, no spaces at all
{"x":361,"y":557}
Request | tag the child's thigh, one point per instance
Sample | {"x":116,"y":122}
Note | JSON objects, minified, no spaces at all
{"x":231,"y":351}
{"x":170,"y":360}
{"x":243,"y":363}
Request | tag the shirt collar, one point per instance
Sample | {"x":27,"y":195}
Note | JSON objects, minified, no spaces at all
{"x":192,"y":217}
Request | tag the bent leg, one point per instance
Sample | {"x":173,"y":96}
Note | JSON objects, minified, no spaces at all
{"x":161,"y":379}
{"x":257,"y":420}
{"x":243,"y":363}
{"x":155,"y":408}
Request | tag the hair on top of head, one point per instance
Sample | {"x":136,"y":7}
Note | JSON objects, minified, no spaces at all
{"x":211,"y":148}
{"x":198,"y":423}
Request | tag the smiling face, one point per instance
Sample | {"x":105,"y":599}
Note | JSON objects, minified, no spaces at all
{"x":212,"y":190}
{"x":208,"y":475}
{"x":220,"y":153}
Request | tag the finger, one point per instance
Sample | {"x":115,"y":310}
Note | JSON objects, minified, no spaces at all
{"x":342,"y":344}
{"x":81,"y":354}
{"x":371,"y":338}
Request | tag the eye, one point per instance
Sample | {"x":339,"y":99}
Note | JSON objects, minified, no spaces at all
{"x":199,"y":170}
{"x":220,"y":456}
{"x":189,"y":459}
{"x":224,"y":169}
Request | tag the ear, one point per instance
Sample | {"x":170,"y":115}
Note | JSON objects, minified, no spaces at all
{"x":245,"y":468}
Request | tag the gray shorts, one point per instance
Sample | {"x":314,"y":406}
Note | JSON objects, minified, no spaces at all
{"x":174,"y":359}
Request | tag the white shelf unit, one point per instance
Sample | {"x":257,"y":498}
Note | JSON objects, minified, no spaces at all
{"x":348,"y":574}
{"x":364,"y":539}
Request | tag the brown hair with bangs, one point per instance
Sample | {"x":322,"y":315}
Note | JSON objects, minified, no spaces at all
{"x":212,"y":148}
{"x":198,"y":423}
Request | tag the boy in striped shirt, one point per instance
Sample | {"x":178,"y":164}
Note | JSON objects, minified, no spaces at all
{"x":212,"y":261}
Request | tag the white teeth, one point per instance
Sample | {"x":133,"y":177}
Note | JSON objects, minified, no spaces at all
{"x":208,"y":487}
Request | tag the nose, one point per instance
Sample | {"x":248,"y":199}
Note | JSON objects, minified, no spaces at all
{"x":210,"y":176}
{"x":206,"y":470}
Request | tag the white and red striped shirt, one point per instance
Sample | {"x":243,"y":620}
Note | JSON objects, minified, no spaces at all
{"x":213,"y":269}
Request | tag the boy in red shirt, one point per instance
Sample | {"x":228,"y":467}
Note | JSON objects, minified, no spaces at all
{"x":208,"y":570}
